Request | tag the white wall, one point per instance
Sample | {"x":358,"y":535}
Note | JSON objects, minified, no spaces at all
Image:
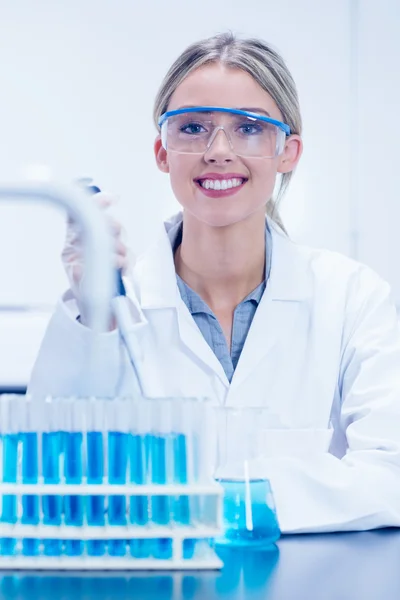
{"x":378,"y":131}
{"x":78,"y":84}
{"x":78,"y":80}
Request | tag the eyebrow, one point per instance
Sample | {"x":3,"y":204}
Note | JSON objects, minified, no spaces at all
{"x":257,"y":110}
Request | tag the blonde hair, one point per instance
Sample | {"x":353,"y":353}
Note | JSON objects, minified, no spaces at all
{"x":255,"y":57}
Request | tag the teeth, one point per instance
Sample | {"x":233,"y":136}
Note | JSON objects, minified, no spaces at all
{"x":221,"y":184}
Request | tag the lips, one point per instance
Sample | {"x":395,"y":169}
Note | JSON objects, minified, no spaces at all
{"x":221,"y":193}
{"x":221,"y":176}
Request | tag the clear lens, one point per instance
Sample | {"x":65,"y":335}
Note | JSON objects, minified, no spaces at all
{"x":248,"y":136}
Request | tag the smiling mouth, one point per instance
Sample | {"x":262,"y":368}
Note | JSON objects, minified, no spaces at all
{"x":221,"y":185}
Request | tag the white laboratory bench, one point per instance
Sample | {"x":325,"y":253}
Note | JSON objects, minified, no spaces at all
{"x":21,"y":333}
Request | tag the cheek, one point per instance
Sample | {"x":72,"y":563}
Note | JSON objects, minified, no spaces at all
{"x":263,"y":177}
{"x":181,"y":172}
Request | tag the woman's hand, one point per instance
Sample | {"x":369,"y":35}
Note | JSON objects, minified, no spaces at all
{"x":72,"y":254}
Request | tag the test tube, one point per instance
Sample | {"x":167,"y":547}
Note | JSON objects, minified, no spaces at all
{"x":95,"y":444}
{"x":73,"y":468}
{"x":10,"y":437}
{"x":117,"y":459}
{"x":204,"y":421}
{"x":183,"y":464}
{"x":138,"y":470}
{"x":181,"y":439}
{"x":29,"y":424}
{"x":160,"y":450}
{"x":52,"y":453}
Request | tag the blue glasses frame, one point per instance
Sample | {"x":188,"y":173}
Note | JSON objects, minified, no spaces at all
{"x":235,"y":111}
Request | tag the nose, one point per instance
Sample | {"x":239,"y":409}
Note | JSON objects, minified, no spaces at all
{"x":219,"y":149}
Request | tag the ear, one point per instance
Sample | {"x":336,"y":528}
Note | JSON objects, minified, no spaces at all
{"x":291,"y":154}
{"x":161,"y":155}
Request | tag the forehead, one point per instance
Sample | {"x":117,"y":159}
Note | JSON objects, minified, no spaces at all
{"x":219,"y":85}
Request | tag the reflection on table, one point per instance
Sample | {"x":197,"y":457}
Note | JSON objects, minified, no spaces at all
{"x":346,"y":566}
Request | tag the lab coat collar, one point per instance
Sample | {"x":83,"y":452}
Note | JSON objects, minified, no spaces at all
{"x":289,"y":277}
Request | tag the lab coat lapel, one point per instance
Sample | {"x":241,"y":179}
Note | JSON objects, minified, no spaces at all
{"x":275,"y":318}
{"x":158,"y":289}
{"x":194,"y":341}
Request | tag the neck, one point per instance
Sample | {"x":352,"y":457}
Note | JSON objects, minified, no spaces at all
{"x":222,"y":264}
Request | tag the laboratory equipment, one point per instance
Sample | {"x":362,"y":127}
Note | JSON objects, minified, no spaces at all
{"x":98,"y":287}
{"x":249,"y":513}
{"x":107,"y":483}
{"x":48,"y":482}
{"x":193,"y":130}
{"x":120,"y":307}
{"x":29,"y":423}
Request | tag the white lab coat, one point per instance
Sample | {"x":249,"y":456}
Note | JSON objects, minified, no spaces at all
{"x":322,"y":353}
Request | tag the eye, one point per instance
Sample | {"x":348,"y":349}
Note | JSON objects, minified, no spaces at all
{"x":192,"y":128}
{"x":250,"y":128}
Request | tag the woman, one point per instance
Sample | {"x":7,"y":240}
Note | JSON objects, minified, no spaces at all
{"x":226,"y":306}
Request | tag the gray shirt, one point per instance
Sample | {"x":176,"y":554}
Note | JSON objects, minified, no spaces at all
{"x":207,"y":322}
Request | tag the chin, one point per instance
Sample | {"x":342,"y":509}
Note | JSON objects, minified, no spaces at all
{"x":215,"y":216}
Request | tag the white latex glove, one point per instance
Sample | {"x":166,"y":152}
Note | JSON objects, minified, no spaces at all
{"x":72,"y":254}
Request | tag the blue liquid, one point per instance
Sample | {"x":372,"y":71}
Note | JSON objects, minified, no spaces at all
{"x":117,"y":547}
{"x":96,"y":547}
{"x":189,"y":546}
{"x":163,"y":548}
{"x":10,"y":455}
{"x":30,"y":503}
{"x":95,"y":511}
{"x":73,"y":456}
{"x":95,"y":504}
{"x":181,"y":508}
{"x":51,"y":454}
{"x":29,"y":457}
{"x":74,"y":511}
{"x":140,"y":548}
{"x":138,"y":505}
{"x":52,"y":547}
{"x":95,"y":457}
{"x":158,"y":467}
{"x":30,"y":510}
{"x":9,"y":502}
{"x":52,"y":505}
{"x":8,"y":546}
{"x":265,"y":529}
{"x":73,"y":505}
{"x":160,"y":505}
{"x":181,"y":504}
{"x":117,"y":468}
{"x":73,"y":547}
{"x":30,"y":547}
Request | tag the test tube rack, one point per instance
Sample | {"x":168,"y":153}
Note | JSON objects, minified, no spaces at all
{"x":199,"y":533}
{"x":94,"y":484}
